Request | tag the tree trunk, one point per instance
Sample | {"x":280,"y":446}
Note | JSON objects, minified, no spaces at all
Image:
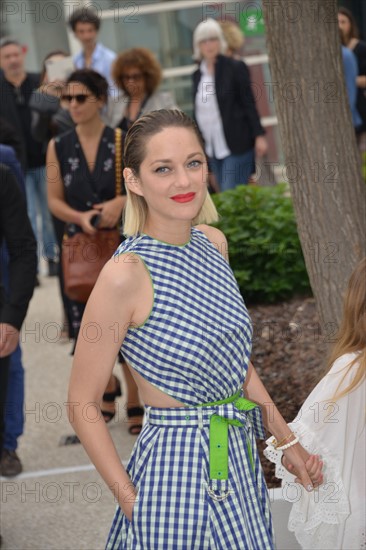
{"x":322,"y":159}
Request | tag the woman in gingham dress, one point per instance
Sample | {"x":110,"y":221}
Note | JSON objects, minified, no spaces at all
{"x":194,"y":480}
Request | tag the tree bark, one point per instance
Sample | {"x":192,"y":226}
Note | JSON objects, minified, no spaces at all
{"x":322,"y":159}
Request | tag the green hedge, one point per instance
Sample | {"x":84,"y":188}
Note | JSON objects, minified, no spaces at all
{"x":264,"y":246}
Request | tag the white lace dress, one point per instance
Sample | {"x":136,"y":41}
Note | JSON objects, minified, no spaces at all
{"x":334,"y":515}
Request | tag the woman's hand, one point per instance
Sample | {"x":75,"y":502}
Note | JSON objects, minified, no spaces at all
{"x":9,"y":338}
{"x":113,"y":300}
{"x":53,"y":88}
{"x":127,"y":506}
{"x":260,"y":146}
{"x":84,"y":221}
{"x":111,"y":212}
{"x":361,"y":81}
{"x":307,"y":468}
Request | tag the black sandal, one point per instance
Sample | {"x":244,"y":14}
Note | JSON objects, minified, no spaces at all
{"x":110,"y":397}
{"x":135,"y":429}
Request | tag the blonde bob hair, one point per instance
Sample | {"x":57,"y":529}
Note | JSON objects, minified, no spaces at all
{"x":205,"y":30}
{"x":351,"y":335}
{"x":141,"y":131}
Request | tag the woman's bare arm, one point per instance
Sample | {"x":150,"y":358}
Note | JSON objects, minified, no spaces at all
{"x":306,"y":467}
{"x":108,"y":314}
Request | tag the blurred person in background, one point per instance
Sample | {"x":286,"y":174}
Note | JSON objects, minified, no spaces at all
{"x":9,"y":137}
{"x":234,"y":38}
{"x":137,"y":74}
{"x":224,"y":108}
{"x":49,"y":119}
{"x":351,"y":39}
{"x":16,"y":86}
{"x":85,"y":25}
{"x":350,"y":75}
{"x":10,"y":463}
{"x":81,"y":185}
{"x":16,"y":231}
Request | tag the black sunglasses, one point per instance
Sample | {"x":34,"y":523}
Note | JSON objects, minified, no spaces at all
{"x":80,"y":98}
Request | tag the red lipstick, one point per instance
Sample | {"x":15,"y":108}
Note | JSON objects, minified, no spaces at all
{"x":188,"y":197}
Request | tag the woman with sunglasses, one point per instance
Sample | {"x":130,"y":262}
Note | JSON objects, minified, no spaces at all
{"x":137,"y":74}
{"x":82,"y":190}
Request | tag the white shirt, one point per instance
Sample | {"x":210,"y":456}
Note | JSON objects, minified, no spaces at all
{"x":208,"y":116}
{"x":102,"y":60}
{"x":333,"y":516}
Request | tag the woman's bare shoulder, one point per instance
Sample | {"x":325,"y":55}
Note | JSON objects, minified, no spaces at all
{"x":216,"y":237}
{"x":123,"y":273}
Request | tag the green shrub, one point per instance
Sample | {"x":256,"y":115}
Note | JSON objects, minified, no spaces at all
{"x":264,"y":247}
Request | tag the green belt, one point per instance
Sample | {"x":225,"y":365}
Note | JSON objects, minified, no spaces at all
{"x":219,"y":428}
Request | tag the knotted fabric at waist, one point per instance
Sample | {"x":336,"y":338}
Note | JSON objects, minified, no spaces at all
{"x":235,"y":410}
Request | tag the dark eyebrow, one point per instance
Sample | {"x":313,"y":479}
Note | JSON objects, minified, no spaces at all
{"x":169,"y":160}
{"x":160,"y":160}
{"x":195,"y":154}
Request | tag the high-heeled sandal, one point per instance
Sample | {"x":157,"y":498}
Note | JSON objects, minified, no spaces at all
{"x":135,"y":429}
{"x":110,"y":397}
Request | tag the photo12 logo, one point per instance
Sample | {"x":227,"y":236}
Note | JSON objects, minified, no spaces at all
{"x":55,"y":12}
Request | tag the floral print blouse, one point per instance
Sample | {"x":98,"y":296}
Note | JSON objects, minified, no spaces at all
{"x":84,"y":187}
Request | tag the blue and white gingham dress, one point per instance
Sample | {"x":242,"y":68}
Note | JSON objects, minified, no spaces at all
{"x":195,"y":346}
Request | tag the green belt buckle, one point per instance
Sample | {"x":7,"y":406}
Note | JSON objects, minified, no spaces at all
{"x":219,"y":457}
{"x":219,"y":445}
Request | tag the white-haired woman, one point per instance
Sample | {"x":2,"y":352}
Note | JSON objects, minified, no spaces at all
{"x":224,"y":108}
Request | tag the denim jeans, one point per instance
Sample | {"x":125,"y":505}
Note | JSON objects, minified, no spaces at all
{"x":14,"y":404}
{"x":35,"y":185}
{"x":13,"y":401}
{"x":233,"y":170}
{"x":4,"y":372}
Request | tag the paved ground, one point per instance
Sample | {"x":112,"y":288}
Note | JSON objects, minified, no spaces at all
{"x":60,"y":502}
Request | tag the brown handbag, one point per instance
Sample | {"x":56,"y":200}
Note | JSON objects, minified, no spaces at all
{"x":83,"y":256}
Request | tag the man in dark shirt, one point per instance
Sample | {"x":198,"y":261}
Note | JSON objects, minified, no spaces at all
{"x":15,"y":228}
{"x":16,"y":87}
{"x":10,"y":464}
{"x":9,"y":136}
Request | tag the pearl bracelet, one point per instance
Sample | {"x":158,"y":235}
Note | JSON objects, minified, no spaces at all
{"x":288,"y":445}
{"x":283,"y":441}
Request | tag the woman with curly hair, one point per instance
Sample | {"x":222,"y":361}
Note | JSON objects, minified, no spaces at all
{"x":137,"y":74}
